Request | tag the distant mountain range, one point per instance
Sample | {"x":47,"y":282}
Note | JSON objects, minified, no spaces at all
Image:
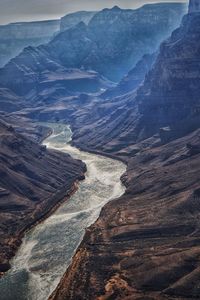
{"x":15,"y":37}
{"x":112,"y":42}
{"x":146,"y":243}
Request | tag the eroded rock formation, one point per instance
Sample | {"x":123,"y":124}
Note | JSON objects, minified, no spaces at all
{"x":32,"y":182}
{"x":146,"y":244}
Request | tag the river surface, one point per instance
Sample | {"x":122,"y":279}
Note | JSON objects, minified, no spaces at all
{"x":48,"y":248}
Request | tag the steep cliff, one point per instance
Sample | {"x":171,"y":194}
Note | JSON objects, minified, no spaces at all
{"x":170,"y":91}
{"x":111,"y":44}
{"x":133,"y":79}
{"x":126,"y":35}
{"x":167,"y":104}
{"x":15,"y":37}
{"x":194,"y":6}
{"x":32,"y":182}
{"x":73,"y":19}
{"x":146,"y":244}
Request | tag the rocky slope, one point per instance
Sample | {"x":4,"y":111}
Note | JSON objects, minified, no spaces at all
{"x":145,"y":245}
{"x":111,"y":44}
{"x":126,"y":35}
{"x":39,"y":81}
{"x":167,"y":104}
{"x":10,"y":101}
{"x":194,"y":6}
{"x":15,"y":37}
{"x":32,"y":182}
{"x":133,"y":79}
{"x":73,"y":19}
{"x":171,"y":89}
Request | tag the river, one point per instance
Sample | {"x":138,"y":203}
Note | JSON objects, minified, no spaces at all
{"x":48,"y":248}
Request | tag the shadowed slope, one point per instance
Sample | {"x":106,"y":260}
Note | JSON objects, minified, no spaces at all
{"x":32,"y":181}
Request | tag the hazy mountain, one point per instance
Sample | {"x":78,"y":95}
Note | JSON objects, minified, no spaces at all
{"x":111,"y":44}
{"x":133,"y":79}
{"x":166,"y":104}
{"x":72,"y":19}
{"x":15,"y":37}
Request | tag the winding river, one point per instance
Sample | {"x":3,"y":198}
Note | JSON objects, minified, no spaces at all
{"x":48,"y":248}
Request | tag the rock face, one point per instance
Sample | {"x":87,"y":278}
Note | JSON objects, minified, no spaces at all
{"x":73,"y":19}
{"x":167,"y":104}
{"x":145,"y":245}
{"x":122,"y":36}
{"x":194,"y":6}
{"x":32,"y":182}
{"x":133,"y":79}
{"x":170,"y":91}
{"x":16,"y":36}
{"x":37,"y":72}
{"x":111,"y":44}
{"x":9,"y":101}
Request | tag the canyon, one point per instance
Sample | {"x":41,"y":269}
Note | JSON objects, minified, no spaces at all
{"x":140,"y":107}
{"x":33,"y":180}
{"x":14,"y":37}
{"x":93,"y":47}
{"x":145,"y":245}
{"x":48,"y":248}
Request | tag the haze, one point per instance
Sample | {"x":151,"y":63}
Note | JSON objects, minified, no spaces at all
{"x":30,"y":10}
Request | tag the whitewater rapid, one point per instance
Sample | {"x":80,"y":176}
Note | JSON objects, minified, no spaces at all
{"x":48,"y":248}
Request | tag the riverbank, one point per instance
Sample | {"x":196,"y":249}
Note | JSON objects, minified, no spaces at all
{"x":27,"y":196}
{"x":48,"y":248}
{"x":145,"y":244}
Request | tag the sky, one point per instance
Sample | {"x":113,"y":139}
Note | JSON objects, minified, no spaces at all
{"x":31,"y":10}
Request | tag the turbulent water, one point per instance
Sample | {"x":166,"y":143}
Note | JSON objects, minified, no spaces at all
{"x":47,"y":249}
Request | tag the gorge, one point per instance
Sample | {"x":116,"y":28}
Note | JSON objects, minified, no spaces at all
{"x":48,"y":248}
{"x":132,"y":101}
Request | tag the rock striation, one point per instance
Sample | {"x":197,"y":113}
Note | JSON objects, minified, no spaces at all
{"x":73,"y":19}
{"x":32,"y":182}
{"x":170,"y":91}
{"x":194,"y":6}
{"x":133,"y":79}
{"x":166,"y":104}
{"x":111,"y":44}
{"x":15,"y":37}
{"x":146,"y":244}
